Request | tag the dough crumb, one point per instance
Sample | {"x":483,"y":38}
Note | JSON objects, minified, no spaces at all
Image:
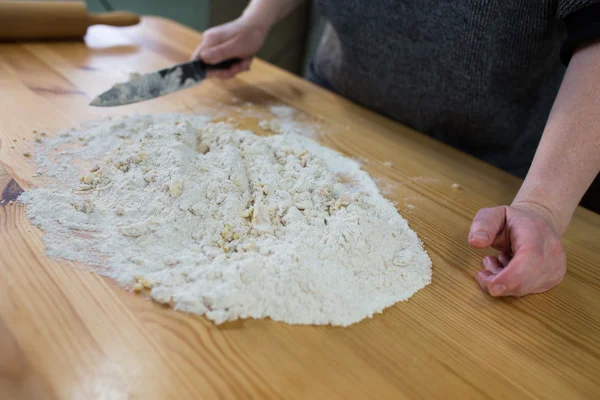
{"x":85,"y":206}
{"x":202,"y":147}
{"x":271,"y":126}
{"x":176,"y":187}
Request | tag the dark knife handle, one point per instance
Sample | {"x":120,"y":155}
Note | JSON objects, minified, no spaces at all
{"x":223,"y":64}
{"x":197,"y":69}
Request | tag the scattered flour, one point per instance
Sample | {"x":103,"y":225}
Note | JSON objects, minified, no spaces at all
{"x":224,"y":223}
{"x":385,"y":186}
{"x":285,"y":121}
{"x":424,"y":179}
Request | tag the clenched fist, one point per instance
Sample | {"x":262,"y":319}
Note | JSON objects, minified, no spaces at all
{"x":531,"y":259}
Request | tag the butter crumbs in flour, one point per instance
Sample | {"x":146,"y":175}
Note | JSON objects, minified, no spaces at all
{"x":223,"y":223}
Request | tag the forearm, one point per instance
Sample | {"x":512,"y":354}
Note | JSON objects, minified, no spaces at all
{"x":568,"y":156}
{"x":269,"y":12}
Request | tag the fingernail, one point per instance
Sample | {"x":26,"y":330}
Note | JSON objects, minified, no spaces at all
{"x":497,"y":289}
{"x":480,"y":235}
{"x":206,"y":55}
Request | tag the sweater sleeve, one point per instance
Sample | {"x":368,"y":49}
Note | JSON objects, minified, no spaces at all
{"x":566,"y":7}
{"x":582,"y":18}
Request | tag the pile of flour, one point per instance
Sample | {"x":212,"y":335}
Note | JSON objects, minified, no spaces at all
{"x":224,"y":223}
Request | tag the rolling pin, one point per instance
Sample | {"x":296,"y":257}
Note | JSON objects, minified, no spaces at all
{"x":25,"y":20}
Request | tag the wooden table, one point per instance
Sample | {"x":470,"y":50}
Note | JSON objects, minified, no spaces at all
{"x":66,"y":333}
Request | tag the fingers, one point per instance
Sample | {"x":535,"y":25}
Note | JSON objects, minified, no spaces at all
{"x":504,"y":258}
{"x":231,"y":40}
{"x":493,"y":265}
{"x":220,"y":74}
{"x":487,"y":224}
{"x":529,"y":271}
{"x":221,"y":43}
{"x":242,"y":66}
{"x":213,"y":37}
{"x":517,"y":277}
{"x":220,"y":52}
{"x":521,"y":276}
{"x":219,"y":34}
{"x":245,"y":64}
{"x":484,"y":278}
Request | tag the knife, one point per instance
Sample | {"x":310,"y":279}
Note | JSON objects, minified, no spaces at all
{"x":159,"y":83}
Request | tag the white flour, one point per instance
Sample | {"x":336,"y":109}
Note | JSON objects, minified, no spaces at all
{"x":221,"y":222}
{"x":285,"y":121}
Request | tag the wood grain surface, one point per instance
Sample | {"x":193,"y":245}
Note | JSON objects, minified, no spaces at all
{"x":67,"y":333}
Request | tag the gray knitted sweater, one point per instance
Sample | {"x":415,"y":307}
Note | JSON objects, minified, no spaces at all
{"x":480,"y":75}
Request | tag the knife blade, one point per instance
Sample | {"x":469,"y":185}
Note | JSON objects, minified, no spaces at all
{"x":155,"y":84}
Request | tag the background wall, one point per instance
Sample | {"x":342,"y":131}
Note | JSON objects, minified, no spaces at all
{"x":193,"y":13}
{"x":290,"y":44}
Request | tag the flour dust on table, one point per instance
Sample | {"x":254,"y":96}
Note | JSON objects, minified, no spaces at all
{"x":220,"y":222}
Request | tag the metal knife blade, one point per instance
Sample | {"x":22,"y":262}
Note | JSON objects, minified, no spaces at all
{"x":159,"y":83}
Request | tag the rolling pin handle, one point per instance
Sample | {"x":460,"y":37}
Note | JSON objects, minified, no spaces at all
{"x":114,"y":18}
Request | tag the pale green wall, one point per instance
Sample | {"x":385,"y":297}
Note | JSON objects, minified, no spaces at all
{"x":286,"y":46}
{"x":193,"y":13}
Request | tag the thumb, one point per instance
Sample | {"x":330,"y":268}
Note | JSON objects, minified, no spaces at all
{"x":486,"y":226}
{"x":233,"y":48}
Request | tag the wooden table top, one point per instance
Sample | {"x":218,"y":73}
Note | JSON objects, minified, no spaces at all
{"x":66,"y":333}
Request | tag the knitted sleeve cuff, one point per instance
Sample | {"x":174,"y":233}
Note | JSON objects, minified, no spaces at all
{"x":583,"y":26}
